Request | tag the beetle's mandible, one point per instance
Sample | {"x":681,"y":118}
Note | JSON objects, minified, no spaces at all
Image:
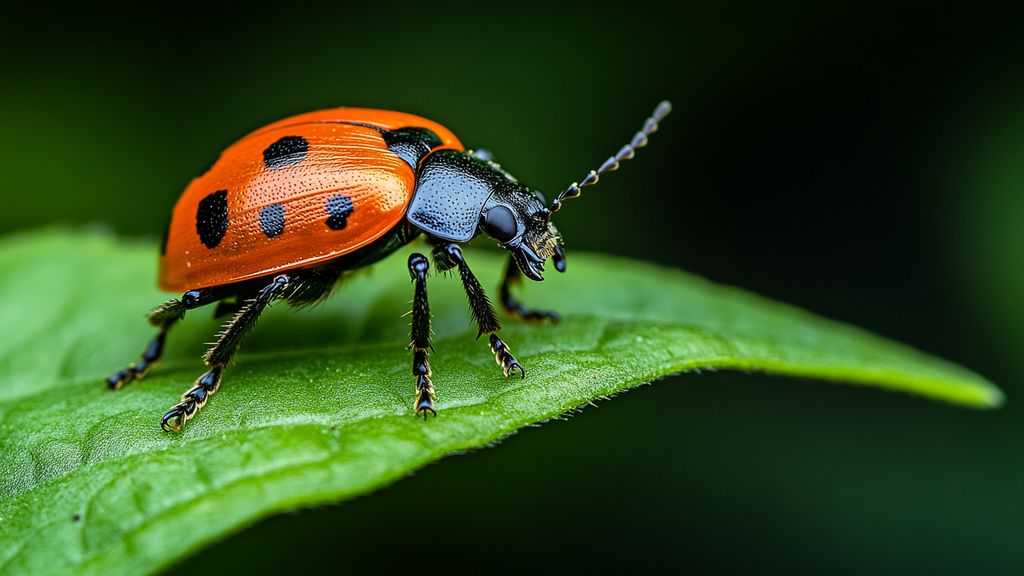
{"x":286,"y":210}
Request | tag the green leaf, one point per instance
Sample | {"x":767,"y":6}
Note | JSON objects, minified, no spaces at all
{"x":318,"y":407}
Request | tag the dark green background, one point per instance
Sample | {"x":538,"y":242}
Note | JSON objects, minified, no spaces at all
{"x":864,"y":162}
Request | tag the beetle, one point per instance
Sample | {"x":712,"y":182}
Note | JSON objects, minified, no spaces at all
{"x":286,"y":211}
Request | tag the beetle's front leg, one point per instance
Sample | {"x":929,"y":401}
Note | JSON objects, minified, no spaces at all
{"x":513,"y":276}
{"x":449,"y":256}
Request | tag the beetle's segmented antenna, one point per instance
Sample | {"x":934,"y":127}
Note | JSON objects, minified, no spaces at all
{"x":612,"y":163}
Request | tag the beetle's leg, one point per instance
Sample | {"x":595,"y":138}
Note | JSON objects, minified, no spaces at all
{"x":450,"y":255}
{"x":163,"y":317}
{"x":513,"y":276}
{"x":218,"y":356}
{"x":420,"y":334}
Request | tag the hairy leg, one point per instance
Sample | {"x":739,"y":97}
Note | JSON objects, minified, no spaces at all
{"x":220,"y":354}
{"x":450,"y":256}
{"x":420,"y":335}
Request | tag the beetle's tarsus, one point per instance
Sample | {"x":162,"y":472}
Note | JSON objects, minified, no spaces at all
{"x":513,"y":308}
{"x":192,"y":401}
{"x":130,"y":374}
{"x":533,"y":316}
{"x":135,"y":371}
{"x":503,"y":356}
{"x":425,"y":397}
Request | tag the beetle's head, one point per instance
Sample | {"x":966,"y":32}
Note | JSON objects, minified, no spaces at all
{"x":462,"y":193}
{"x":517,"y":217}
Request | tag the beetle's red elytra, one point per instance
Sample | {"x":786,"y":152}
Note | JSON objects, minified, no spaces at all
{"x":286,"y":210}
{"x":296,"y":193}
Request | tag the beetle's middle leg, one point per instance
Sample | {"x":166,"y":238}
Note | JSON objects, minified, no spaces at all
{"x":218,"y":356}
{"x":449,"y":256}
{"x":420,"y":334}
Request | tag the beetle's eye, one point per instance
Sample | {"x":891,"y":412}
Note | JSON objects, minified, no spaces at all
{"x":543,"y":201}
{"x":500,"y":224}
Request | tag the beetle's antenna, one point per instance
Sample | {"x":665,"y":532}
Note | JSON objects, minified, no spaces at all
{"x":612,"y":163}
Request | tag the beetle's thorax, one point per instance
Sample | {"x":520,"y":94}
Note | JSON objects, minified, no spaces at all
{"x":459,"y":195}
{"x":451,"y":190}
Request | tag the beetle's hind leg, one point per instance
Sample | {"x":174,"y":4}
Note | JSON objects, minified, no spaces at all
{"x":163,"y":317}
{"x":513,"y":276}
{"x":218,"y":356}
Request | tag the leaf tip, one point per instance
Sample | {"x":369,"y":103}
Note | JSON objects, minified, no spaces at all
{"x":994,"y":397}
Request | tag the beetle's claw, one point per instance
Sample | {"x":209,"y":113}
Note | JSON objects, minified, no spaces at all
{"x":425,"y":404}
{"x":425,"y":397}
{"x":179,"y":414}
{"x":174,"y":419}
{"x":513,"y":365}
{"x":423,"y":407}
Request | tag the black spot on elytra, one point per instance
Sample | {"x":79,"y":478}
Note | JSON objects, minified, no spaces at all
{"x":76,"y":518}
{"x":339,"y":208}
{"x":212,"y":218}
{"x":272,"y":220}
{"x":285,"y":152}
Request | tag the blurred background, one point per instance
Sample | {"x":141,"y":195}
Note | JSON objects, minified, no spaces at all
{"x":864,"y":162}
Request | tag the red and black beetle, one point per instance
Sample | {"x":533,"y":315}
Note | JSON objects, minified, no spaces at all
{"x":286,"y":210}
